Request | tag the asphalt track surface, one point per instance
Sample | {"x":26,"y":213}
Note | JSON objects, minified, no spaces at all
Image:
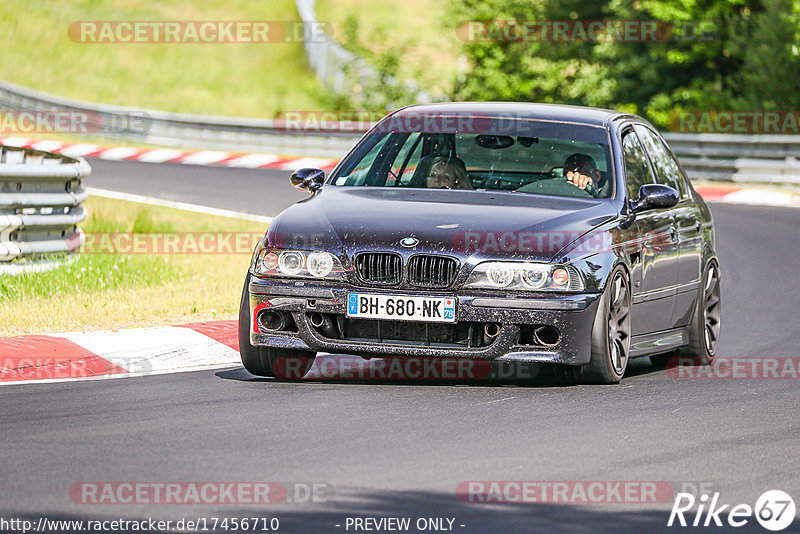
{"x":256,"y":191}
{"x":401,"y":449}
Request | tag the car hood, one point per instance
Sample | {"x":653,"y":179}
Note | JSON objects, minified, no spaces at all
{"x":486,"y":225}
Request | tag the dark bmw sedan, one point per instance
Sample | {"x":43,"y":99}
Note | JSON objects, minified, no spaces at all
{"x":554,"y":235}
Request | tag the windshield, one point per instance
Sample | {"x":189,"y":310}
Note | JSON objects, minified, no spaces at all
{"x":526,"y":156}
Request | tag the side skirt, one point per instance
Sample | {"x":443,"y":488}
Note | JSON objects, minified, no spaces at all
{"x":655,"y":343}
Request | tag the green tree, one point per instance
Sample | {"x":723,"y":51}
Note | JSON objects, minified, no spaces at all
{"x":715,"y":55}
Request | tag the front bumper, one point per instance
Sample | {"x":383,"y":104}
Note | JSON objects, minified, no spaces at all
{"x":573,"y":316}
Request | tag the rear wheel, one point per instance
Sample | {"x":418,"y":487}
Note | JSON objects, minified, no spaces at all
{"x":704,"y":328}
{"x":268,"y":361}
{"x":611,"y":333}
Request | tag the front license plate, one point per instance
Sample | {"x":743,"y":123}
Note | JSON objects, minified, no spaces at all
{"x":406,"y":308}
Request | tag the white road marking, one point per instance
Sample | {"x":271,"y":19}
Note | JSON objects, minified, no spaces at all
{"x":494,"y":401}
{"x":178,"y":205}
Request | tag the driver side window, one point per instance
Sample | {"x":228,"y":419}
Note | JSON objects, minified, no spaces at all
{"x":637,"y":171}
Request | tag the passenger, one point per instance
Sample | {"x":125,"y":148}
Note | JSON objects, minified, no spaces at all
{"x":448,"y":173}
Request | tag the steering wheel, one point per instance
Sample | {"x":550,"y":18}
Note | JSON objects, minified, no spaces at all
{"x":556,"y":173}
{"x":555,"y":187}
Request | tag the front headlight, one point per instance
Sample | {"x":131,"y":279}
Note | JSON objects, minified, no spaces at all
{"x":525,"y":276}
{"x":298,"y":264}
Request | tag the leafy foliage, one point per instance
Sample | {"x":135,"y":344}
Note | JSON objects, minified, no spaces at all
{"x":714,"y":55}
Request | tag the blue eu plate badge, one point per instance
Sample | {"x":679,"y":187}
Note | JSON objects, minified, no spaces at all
{"x":352,"y":304}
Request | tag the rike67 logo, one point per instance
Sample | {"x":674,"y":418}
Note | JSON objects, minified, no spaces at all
{"x":774,"y":510}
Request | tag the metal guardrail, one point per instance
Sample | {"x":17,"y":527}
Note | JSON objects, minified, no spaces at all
{"x":40,"y":206}
{"x":328,"y":58}
{"x":746,"y":158}
{"x":185,"y":130}
{"x":339,"y":68}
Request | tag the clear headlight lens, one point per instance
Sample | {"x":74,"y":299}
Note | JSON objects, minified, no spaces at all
{"x":525,"y":276}
{"x":319,"y":264}
{"x":534,"y":276}
{"x":500,"y":275}
{"x":290,"y":262}
{"x":299,"y":264}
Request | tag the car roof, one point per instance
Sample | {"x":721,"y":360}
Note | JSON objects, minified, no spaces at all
{"x":528,"y":110}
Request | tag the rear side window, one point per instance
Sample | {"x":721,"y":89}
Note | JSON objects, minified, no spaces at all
{"x":667,"y":171}
{"x":637,"y":172}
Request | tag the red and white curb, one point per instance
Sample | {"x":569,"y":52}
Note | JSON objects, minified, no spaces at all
{"x":732,"y":194}
{"x":120,"y":353}
{"x":170,"y":155}
{"x":77,"y":356}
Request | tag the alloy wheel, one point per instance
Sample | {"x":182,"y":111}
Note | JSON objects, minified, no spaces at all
{"x":711,"y":309}
{"x":619,"y":323}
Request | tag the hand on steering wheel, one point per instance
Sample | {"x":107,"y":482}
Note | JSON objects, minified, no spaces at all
{"x":581,"y":181}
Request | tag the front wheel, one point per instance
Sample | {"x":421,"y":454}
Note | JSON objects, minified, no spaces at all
{"x":611,"y":333}
{"x":267,"y":361}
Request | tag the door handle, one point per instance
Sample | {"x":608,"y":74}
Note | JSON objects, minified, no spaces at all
{"x":698,"y":225}
{"x":673,"y":232}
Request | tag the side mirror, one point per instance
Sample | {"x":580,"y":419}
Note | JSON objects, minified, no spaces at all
{"x":655,"y":196}
{"x":307,"y":179}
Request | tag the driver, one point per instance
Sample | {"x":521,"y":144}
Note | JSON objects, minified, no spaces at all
{"x":448,"y":173}
{"x":581,"y":171}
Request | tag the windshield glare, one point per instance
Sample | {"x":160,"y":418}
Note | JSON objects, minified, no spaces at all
{"x":542,"y":161}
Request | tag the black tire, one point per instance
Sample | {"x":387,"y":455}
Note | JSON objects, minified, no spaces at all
{"x":610,"y":332}
{"x":565,"y":375}
{"x":267,"y":361}
{"x":705,"y":325}
{"x":288,"y":364}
